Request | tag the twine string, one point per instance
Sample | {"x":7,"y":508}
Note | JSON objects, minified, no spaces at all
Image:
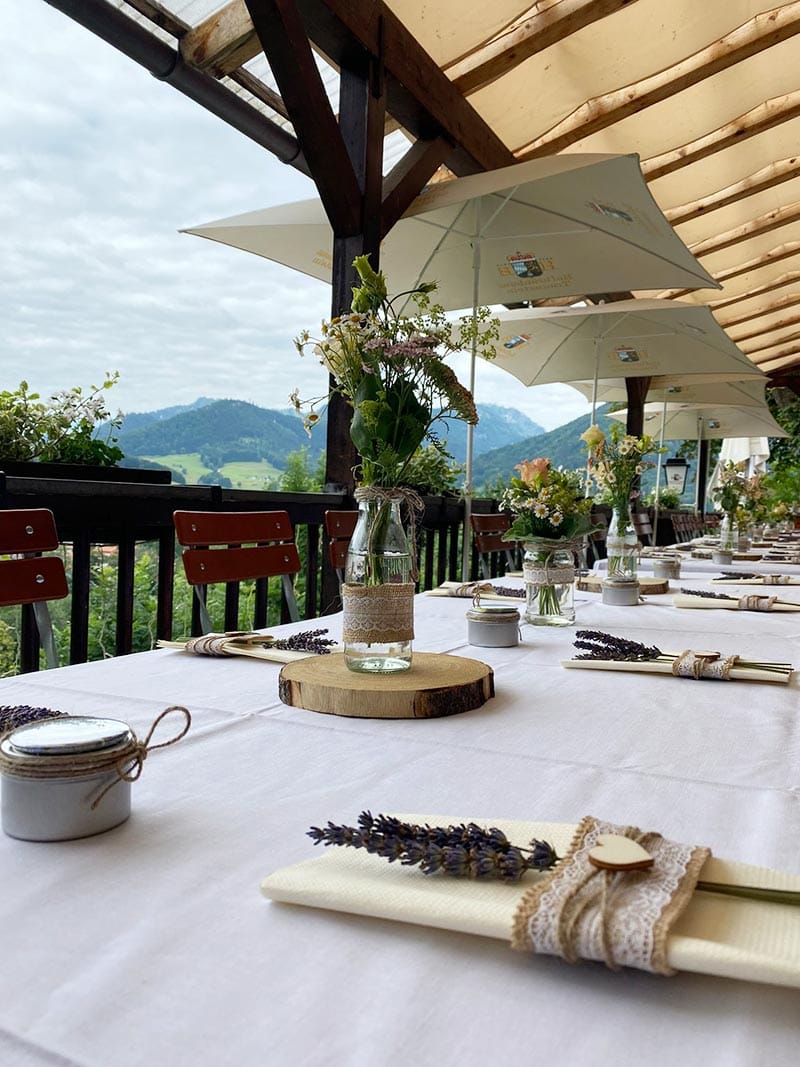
{"x":127,"y":763}
{"x":698,"y":665}
{"x":756,"y":602}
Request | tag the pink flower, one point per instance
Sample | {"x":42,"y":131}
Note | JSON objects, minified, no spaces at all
{"x":533,"y":471}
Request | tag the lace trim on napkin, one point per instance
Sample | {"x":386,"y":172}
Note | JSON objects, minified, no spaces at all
{"x":622,"y":918}
{"x":378,"y":614}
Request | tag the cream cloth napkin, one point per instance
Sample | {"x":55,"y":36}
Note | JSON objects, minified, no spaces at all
{"x":724,"y":936}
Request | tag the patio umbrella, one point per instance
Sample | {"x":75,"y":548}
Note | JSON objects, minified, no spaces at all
{"x":625,"y":339}
{"x":561,"y":226}
{"x":680,"y":389}
{"x":686,"y":422}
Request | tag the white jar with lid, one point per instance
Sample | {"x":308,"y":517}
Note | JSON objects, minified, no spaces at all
{"x":493,"y":626}
{"x":60,"y":778}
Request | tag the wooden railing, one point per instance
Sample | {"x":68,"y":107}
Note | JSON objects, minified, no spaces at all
{"x":125,"y":514}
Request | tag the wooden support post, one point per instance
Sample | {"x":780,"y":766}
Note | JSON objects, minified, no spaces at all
{"x":702,"y":476}
{"x":636,"y":388}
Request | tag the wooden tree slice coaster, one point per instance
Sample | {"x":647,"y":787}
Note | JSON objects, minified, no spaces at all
{"x":649,"y":586}
{"x":436,"y":685}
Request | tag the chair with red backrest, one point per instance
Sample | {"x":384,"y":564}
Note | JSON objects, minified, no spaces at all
{"x":27,"y":577}
{"x":488,"y":533}
{"x":233,"y":546}
{"x":339,"y":526}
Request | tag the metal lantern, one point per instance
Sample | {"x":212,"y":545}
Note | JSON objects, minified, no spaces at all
{"x":677,"y":469}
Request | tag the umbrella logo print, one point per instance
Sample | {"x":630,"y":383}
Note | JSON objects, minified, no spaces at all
{"x":610,"y":212}
{"x":516,"y":340}
{"x":526,"y":265}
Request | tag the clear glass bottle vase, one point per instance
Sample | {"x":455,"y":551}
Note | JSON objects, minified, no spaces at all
{"x":622,"y":546}
{"x":549,"y":575}
{"x":378,"y":593}
{"x":729,"y":533}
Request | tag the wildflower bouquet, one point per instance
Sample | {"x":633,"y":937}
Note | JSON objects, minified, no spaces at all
{"x":550,"y":517}
{"x":730,"y":490}
{"x":547,"y":503}
{"x":390,"y":369}
{"x":615,"y":462}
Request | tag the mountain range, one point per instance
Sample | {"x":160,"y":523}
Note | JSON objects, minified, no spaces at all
{"x":224,"y":432}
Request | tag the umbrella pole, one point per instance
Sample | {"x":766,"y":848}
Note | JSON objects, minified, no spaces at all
{"x":658,"y":474}
{"x":697,"y":478}
{"x":466,"y":555}
{"x":588,"y":487}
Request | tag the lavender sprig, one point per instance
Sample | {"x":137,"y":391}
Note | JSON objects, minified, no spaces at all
{"x":508,"y":590}
{"x":12,"y":716}
{"x":304,"y":641}
{"x":463,"y":851}
{"x":707,"y":595}
{"x":599,"y":645}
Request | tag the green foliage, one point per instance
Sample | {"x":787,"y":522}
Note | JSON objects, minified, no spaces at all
{"x":432,"y":472}
{"x":784,"y":452}
{"x":62,"y":429}
{"x":298,"y":476}
{"x":667,"y":498}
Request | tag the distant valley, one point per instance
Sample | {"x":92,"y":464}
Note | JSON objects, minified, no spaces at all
{"x":212,"y":440}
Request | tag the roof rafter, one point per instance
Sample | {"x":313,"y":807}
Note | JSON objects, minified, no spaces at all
{"x":766,"y":178}
{"x":782,"y":324}
{"x":773,"y":220}
{"x":758,"y":120}
{"x":751,"y":294}
{"x":761,"y":32}
{"x":781,"y":362}
{"x":787,"y":301}
{"x":222,"y":42}
{"x":775,"y":255}
{"x":421,"y":98}
{"x":552,"y":21}
{"x":750,"y":349}
{"x":283,"y":38}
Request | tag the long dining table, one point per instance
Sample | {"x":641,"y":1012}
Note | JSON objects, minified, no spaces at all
{"x":152,"y":944}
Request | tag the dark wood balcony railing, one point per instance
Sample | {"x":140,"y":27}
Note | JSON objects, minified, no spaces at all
{"x":125,"y":514}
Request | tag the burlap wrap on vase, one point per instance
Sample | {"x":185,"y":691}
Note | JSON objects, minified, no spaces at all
{"x":378,"y":614}
{"x":622,"y":918}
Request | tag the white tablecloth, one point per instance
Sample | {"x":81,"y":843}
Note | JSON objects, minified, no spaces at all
{"x":151,"y":944}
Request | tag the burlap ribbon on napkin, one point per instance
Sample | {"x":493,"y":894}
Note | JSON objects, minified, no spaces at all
{"x":622,"y":918}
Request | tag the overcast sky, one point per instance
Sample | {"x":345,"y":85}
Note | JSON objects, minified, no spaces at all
{"x":100,"y":166}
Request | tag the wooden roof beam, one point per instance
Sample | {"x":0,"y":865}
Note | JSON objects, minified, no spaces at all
{"x":751,"y":294}
{"x":773,"y":220}
{"x":766,"y":178}
{"x":403,"y":183}
{"x":790,"y":359}
{"x":777,"y":352}
{"x":285,"y":43}
{"x":761,"y":32}
{"x":787,"y":301}
{"x":782,"y":324}
{"x":222,"y":42}
{"x":422,"y":99}
{"x":551,"y":22}
{"x":775,"y":255}
{"x":751,"y":348}
{"x":758,"y":120}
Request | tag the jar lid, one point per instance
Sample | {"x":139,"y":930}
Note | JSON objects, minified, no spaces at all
{"x":493,"y":612}
{"x":66,"y":736}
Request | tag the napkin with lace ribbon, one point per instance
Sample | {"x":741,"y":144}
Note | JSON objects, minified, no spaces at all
{"x":718,"y":935}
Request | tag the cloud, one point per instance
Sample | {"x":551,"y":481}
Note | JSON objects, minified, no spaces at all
{"x":101,"y":165}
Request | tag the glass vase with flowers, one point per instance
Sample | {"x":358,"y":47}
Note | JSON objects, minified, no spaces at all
{"x":729,"y":492}
{"x":550,"y":517}
{"x":390,"y":368}
{"x":616,"y":462}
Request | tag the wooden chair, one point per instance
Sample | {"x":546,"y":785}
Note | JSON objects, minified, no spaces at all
{"x":643,"y":526}
{"x":339,"y":526}
{"x":596,"y":540}
{"x":27,"y":577}
{"x":232,"y":546}
{"x":487,"y":531}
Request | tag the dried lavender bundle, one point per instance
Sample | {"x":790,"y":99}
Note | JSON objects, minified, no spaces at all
{"x":12,"y":716}
{"x":465,"y":850}
{"x":304,"y":641}
{"x":599,"y":645}
{"x":508,"y":590}
{"x":707,"y":595}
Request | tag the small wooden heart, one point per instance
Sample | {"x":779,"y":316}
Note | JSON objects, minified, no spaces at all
{"x":613,"y":852}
